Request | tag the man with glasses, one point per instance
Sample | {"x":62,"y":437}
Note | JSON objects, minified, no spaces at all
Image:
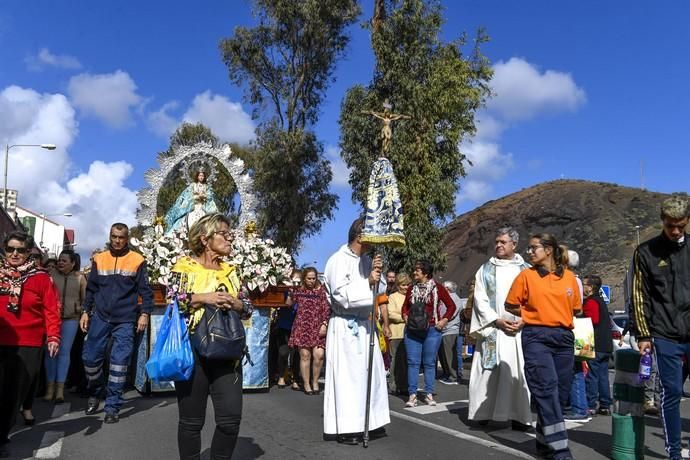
{"x":498,"y":389}
{"x":661,"y":310}
{"x":117,"y":277}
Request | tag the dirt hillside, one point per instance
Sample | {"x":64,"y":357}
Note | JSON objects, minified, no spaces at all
{"x":595,"y":219}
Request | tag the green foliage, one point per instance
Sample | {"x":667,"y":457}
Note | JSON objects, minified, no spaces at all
{"x":440,"y":89}
{"x":286,"y":62}
{"x":224,"y":187}
{"x":293,"y":184}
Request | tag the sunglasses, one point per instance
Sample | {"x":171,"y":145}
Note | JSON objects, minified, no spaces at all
{"x":10,"y":250}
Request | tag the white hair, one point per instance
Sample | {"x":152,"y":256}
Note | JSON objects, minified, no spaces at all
{"x":573,"y":259}
{"x":452,"y":286}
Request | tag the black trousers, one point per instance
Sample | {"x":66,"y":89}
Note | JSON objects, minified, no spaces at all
{"x":222,"y":380}
{"x":19,"y":367}
{"x":287,"y":356}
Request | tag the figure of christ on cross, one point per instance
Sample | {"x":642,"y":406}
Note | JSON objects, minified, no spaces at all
{"x":387,"y":117}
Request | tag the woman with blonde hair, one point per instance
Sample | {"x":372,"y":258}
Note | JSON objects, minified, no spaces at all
{"x":396,"y":324}
{"x":546,"y":296}
{"x":204,"y":280}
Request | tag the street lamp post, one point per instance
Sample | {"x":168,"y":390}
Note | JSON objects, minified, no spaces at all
{"x":637,"y":229}
{"x":7,"y":156}
{"x":43,"y":223}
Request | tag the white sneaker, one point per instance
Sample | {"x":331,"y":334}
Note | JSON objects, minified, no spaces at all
{"x":412,"y":401}
{"x":430,"y":400}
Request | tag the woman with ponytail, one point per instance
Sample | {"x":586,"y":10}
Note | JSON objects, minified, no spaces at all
{"x":546,"y":297}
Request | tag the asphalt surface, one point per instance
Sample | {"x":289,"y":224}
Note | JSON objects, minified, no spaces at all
{"x":285,"y":424}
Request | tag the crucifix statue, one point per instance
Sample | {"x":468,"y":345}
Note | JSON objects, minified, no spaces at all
{"x":387,"y":117}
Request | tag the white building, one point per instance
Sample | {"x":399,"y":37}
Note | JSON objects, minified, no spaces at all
{"x":48,"y":234}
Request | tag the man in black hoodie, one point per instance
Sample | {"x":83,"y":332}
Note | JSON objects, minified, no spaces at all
{"x":661,"y":309}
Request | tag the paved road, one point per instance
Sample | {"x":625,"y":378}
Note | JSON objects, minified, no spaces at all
{"x":284,"y":424}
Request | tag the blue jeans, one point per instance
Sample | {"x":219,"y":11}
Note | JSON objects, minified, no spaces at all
{"x":668,"y":356}
{"x":57,"y":367}
{"x":93,"y":355}
{"x":549,"y":362}
{"x":597,"y":380}
{"x":458,"y":351}
{"x":422,"y":350}
{"x":578,"y":395}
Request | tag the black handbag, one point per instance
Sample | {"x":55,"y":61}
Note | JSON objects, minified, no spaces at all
{"x":418,"y":319}
{"x":220,"y":335}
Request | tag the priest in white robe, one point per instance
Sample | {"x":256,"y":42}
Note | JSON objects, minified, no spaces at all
{"x":498,"y":389}
{"x":350,"y":275}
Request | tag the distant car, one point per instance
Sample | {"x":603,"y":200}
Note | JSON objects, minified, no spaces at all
{"x":618,"y":323}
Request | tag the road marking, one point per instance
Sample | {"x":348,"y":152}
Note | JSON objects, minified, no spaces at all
{"x":463,"y":436}
{"x":425,"y":409}
{"x":521,"y":436}
{"x":61,"y":409}
{"x":51,"y":445}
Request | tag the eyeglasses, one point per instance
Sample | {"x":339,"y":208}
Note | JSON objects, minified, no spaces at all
{"x":533,"y":248}
{"x":10,"y":250}
{"x":225,"y":234}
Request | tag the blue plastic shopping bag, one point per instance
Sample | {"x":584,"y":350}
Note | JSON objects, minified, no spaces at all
{"x":172,"y":357}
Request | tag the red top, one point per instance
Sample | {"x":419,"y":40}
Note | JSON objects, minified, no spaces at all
{"x":591,"y":310}
{"x":39,"y":314}
{"x":443,"y":297}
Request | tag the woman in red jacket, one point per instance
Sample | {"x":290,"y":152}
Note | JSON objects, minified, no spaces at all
{"x":422,"y":308}
{"x":29,"y":311}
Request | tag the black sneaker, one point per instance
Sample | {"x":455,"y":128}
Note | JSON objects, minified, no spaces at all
{"x":91,"y":406}
{"x":604,"y":411}
{"x":351,"y":439}
{"x":519,"y":426}
{"x":111,"y":417}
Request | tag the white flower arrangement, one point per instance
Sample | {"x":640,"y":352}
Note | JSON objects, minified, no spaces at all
{"x":260,"y":263}
{"x":160,"y":252}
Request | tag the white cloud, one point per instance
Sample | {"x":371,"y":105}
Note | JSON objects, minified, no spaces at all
{"x":523,"y":92}
{"x":225,"y":118}
{"x":341,"y":173}
{"x":46,"y":58}
{"x":489,"y":165}
{"x":96,"y":198}
{"x":28,"y":117}
{"x":109,"y":97}
{"x":161,"y":122}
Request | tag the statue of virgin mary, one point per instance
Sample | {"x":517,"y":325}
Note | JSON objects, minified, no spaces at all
{"x":195,"y":201}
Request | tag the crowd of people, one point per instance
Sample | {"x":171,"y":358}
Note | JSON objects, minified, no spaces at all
{"x":518,"y":321}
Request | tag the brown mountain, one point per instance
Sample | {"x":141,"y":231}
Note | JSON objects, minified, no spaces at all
{"x":596,"y":219}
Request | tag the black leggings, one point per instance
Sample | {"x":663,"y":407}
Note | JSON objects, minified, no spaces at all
{"x":223,"y":381}
{"x":19,"y":367}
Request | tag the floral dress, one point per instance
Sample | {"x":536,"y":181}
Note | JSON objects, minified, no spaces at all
{"x":312,"y":311}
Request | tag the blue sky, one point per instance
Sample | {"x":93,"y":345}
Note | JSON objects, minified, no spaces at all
{"x":584,"y":90}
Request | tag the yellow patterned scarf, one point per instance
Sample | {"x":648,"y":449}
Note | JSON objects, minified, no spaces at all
{"x":194,"y":278}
